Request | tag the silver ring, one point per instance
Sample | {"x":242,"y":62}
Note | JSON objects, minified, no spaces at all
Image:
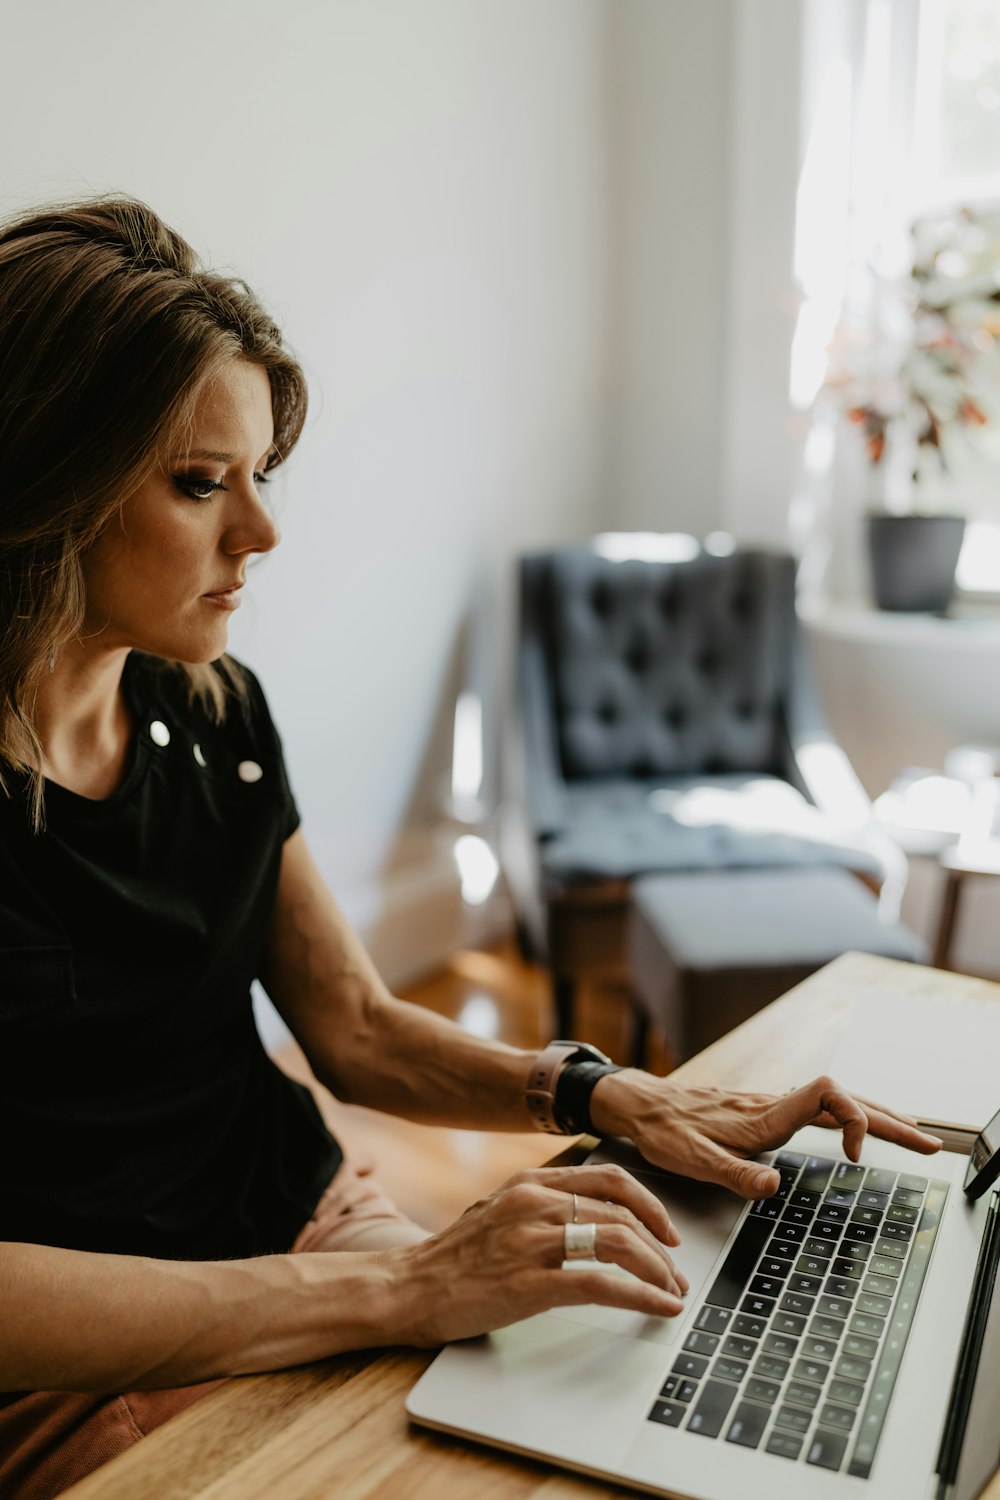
{"x":579,"y":1242}
{"x":576,"y":1209}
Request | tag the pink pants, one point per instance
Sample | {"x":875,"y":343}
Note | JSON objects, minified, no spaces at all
{"x":51,"y":1439}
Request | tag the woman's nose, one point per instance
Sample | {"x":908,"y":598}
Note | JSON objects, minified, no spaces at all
{"x":254,"y":529}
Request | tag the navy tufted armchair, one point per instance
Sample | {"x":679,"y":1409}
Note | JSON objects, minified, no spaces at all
{"x":667,"y":722}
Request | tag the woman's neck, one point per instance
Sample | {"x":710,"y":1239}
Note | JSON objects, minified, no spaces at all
{"x":83,"y":721}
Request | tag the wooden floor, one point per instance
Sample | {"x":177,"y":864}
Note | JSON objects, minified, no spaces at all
{"x":432,"y":1173}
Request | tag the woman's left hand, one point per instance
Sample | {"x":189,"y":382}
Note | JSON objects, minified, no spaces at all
{"x":708,"y":1134}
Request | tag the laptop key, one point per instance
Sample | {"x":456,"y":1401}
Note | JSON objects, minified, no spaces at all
{"x":790,"y":1323}
{"x":766,"y":1286}
{"x":689,"y":1364}
{"x":747,"y":1426}
{"x":862,"y":1347}
{"x":759,"y":1389}
{"x":761,"y":1307}
{"x":845,"y":1391}
{"x":796,"y":1302}
{"x":878,"y":1180}
{"x":788,"y":1231}
{"x":842,"y":1286}
{"x":815,"y":1348}
{"x":714,"y":1319}
{"x":826,"y":1328}
{"x":789,"y":1159}
{"x":818,"y":1249}
{"x":667,"y":1413}
{"x":781,"y":1344}
{"x":747,"y":1327}
{"x":813,"y":1370}
{"x":676,"y":1388}
{"x":771,"y":1367}
{"x":840,"y":1198}
{"x":867,"y":1325}
{"x":898,"y":1233}
{"x":913,"y":1184}
{"x":827,"y":1449}
{"x":903,"y":1199}
{"x":816,"y":1173}
{"x":729,"y":1369}
{"x":854,"y":1250}
{"x":801,"y":1199}
{"x":877,"y":1306}
{"x":882,"y":1286}
{"x":884,"y":1265}
{"x":833,"y":1307}
{"x":712,"y":1408}
{"x":775,"y":1268}
{"x":835,"y":1215}
{"x":792,"y":1419}
{"x":800,"y":1216}
{"x":737,"y":1348}
{"x":807,"y":1285}
{"x":868,"y":1199}
{"x":871,"y":1216}
{"x":892,"y":1248}
{"x":861,"y":1234}
{"x":799,"y":1393}
{"x":811,"y":1265}
{"x":698,"y":1342}
{"x":896,"y":1215}
{"x":848,"y":1175}
{"x":843,"y":1266}
{"x":853,"y":1369}
{"x":838,"y":1417}
{"x":783,"y":1250}
{"x":826,"y":1231}
{"x":744,"y":1252}
{"x":784,"y":1445}
{"x":767,"y":1208}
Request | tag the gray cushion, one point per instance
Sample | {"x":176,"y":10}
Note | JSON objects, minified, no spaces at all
{"x":664,"y":669}
{"x":741,"y":919}
{"x":620,"y":828}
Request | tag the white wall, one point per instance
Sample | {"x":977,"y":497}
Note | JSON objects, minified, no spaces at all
{"x":669,"y":128}
{"x":418,"y":191}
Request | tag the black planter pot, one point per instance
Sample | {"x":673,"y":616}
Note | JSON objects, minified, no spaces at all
{"x":914,"y":560}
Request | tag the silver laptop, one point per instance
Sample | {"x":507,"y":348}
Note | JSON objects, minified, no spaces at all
{"x":839,"y":1339}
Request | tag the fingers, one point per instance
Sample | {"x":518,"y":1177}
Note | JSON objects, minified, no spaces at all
{"x":616,"y":1221}
{"x":833,"y":1107}
{"x":586,"y":1285}
{"x":709,"y":1162}
{"x":610,"y":1184}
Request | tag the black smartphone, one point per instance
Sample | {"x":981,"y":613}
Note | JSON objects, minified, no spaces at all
{"x":984,"y":1159}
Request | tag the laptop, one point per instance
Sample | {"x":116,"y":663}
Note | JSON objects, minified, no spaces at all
{"x":839,"y":1339}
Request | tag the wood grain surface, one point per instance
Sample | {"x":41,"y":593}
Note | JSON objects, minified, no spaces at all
{"x":339,"y":1429}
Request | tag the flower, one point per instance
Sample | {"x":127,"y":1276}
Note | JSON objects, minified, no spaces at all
{"x":930,"y":359}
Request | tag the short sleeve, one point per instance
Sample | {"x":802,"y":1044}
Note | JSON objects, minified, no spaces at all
{"x":267,"y":743}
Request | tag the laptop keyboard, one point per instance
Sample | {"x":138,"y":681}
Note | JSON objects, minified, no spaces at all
{"x":796,"y":1348}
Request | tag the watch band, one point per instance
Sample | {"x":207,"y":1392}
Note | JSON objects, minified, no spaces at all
{"x":574,"y":1086}
{"x":544,"y":1095}
{"x":540,"y":1092}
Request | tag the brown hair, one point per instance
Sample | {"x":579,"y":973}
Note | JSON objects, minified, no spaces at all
{"x":109,"y":330}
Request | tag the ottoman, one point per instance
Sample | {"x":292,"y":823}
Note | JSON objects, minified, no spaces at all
{"x":707,"y":949}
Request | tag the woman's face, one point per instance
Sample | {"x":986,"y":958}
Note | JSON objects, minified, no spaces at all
{"x":165,"y":577}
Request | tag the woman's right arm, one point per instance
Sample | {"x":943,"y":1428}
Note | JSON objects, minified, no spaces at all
{"x":78,"y":1321}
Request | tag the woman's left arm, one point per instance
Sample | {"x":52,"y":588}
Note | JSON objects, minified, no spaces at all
{"x":369,"y":1048}
{"x":364,"y":1045}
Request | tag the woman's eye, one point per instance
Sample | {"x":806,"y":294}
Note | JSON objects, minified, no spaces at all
{"x":261,"y":478}
{"x":197,"y":488}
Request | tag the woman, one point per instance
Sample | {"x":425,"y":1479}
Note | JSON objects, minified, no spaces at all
{"x":169,"y":1198}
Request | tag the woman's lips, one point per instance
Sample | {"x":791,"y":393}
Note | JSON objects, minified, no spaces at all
{"x":225,"y":598}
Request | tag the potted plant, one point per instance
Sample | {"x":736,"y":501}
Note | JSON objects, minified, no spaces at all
{"x":921,"y":381}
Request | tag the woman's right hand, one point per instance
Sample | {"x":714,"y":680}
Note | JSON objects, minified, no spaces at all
{"x":503,"y":1259}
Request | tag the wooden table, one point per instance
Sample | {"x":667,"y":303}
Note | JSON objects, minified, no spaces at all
{"x":338,"y":1430}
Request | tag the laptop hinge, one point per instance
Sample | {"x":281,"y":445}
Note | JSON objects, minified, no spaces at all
{"x":969,"y":1354}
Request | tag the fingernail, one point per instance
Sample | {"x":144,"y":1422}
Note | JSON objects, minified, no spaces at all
{"x":763,"y":1182}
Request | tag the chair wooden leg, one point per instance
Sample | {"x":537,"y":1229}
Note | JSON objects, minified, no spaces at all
{"x":564,"y":1002}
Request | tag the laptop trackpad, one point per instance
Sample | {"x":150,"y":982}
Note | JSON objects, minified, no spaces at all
{"x":703,"y":1216}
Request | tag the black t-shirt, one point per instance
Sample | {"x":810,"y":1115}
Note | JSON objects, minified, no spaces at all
{"x":139,"y":1112}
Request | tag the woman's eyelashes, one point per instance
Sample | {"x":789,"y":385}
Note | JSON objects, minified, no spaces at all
{"x":197,"y":487}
